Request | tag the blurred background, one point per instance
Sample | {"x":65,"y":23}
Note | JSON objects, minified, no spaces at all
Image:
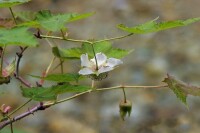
{"x":175,"y":51}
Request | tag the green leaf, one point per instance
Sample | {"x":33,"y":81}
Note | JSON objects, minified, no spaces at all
{"x":73,"y":53}
{"x":47,"y":20}
{"x":17,"y":36}
{"x":68,"y":88}
{"x":104,"y":47}
{"x":57,"y":22}
{"x":50,"y":93}
{"x":10,"y":3}
{"x":31,"y":24}
{"x":75,"y":16}
{"x":39,"y":93}
{"x":153,"y":26}
{"x":26,"y":15}
{"x":51,"y":22}
{"x":181,"y":89}
{"x":67,"y":77}
{"x":118,"y":53}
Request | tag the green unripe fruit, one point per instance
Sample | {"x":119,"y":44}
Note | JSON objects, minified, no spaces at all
{"x":125,"y":108}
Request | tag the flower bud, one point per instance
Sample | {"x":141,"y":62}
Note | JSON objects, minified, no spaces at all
{"x":5,"y":109}
{"x":125,"y":108}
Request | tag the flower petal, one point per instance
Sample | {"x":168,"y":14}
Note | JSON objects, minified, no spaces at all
{"x":85,"y":71}
{"x":104,"y":69}
{"x":101,"y":59}
{"x":85,"y":61}
{"x":112,"y":62}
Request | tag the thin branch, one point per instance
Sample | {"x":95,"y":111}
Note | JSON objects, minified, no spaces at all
{"x":11,"y":11}
{"x":11,"y":125}
{"x":19,"y":117}
{"x":45,"y":106}
{"x":16,"y":74}
{"x":114,"y":38}
{"x":49,"y":66}
{"x":86,"y":41}
{"x":19,"y":54}
{"x":61,"y":66}
{"x":69,"y":98}
{"x":47,"y":70}
{"x":104,"y":89}
{"x":56,"y":66}
{"x":2,"y":56}
{"x":66,"y":39}
{"x":11,"y":128}
{"x":19,"y":107}
{"x":23,"y":81}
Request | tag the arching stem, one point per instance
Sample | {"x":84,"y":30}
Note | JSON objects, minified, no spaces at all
{"x":61,"y":66}
{"x":1,"y":56}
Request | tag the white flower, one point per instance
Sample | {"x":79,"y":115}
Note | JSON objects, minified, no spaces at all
{"x":103,"y":64}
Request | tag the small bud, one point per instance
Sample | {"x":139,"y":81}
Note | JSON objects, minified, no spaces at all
{"x":5,"y":109}
{"x":125,"y":108}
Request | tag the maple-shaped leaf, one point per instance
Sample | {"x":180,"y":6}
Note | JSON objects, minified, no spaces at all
{"x":19,"y":36}
{"x":103,"y":47}
{"x":153,"y":26}
{"x":10,"y":3}
{"x":48,"y":20}
{"x":181,"y":89}
{"x":50,"y":93}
